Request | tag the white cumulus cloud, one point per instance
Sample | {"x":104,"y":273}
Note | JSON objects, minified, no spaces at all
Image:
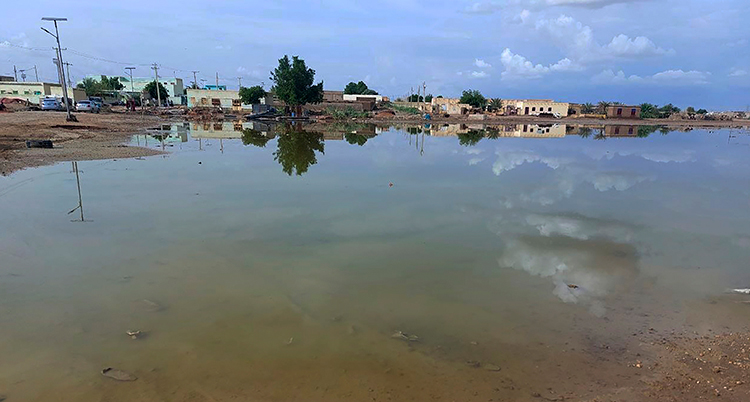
{"x":517,"y":66}
{"x":669,"y":77}
{"x":481,"y":63}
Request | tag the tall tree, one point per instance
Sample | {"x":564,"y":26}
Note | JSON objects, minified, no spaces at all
{"x":495,"y":104}
{"x":296,"y":150}
{"x":602,"y":107}
{"x":111,"y":83}
{"x":252,"y":95}
{"x":473,"y":98}
{"x":151,"y":88}
{"x":587,"y":108}
{"x":649,"y":111}
{"x":294,"y":82}
{"x":359,"y":88}
{"x":91,"y":86}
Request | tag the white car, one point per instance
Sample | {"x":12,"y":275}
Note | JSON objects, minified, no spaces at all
{"x":52,"y":103}
{"x":87,"y":106}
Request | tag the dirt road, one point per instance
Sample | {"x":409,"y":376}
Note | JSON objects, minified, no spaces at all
{"x":94,"y":136}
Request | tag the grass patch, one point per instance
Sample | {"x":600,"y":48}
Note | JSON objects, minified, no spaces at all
{"x":406,"y":109}
{"x":347,"y":113}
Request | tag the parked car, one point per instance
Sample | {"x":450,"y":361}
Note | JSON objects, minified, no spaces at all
{"x":53,"y":103}
{"x":87,"y":106}
{"x":97,"y":100}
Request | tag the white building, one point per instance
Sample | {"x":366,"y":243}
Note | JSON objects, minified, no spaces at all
{"x":354,"y":98}
{"x":534,"y":107}
{"x":173,"y":85}
{"x":34,"y":91}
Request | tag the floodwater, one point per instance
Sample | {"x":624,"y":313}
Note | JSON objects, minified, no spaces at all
{"x":264,"y":264}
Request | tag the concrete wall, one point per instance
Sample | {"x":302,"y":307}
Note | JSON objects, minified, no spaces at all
{"x":623,"y":112}
{"x":208,"y":98}
{"x":353,"y":98}
{"x":533,"y":107}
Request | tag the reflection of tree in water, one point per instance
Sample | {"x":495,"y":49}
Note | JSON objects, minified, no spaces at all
{"x":358,"y":139}
{"x":471,"y":138}
{"x":254,"y":137}
{"x":585,"y":132}
{"x":296,"y":150}
{"x":600,"y":135}
{"x":645,"y":131}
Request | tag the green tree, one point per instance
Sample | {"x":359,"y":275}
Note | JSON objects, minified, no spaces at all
{"x":667,"y":110}
{"x":585,"y":132}
{"x":151,"y":89}
{"x":357,"y":139}
{"x":359,"y":88}
{"x":294,"y":82}
{"x":702,"y":111}
{"x":495,"y":104}
{"x":111,"y":83}
{"x":90,"y":85}
{"x":254,"y":137}
{"x":645,"y":131}
{"x":690,"y":110}
{"x":415,"y":98}
{"x":428,"y":98}
{"x":252,"y":95}
{"x":587,"y":108}
{"x":296,"y":150}
{"x":471,"y":138}
{"x":649,"y":111}
{"x":473,"y":98}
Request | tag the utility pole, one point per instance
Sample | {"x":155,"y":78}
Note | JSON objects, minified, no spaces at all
{"x":155,"y":67}
{"x":424,"y":90}
{"x":15,"y":73}
{"x":130,"y":73}
{"x":67,"y":65}
{"x":56,"y":35}
{"x":217,"y":81}
{"x":36,"y":74}
{"x":239,"y":83}
{"x":195,"y":79}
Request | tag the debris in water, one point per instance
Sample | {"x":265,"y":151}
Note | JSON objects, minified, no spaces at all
{"x":390,"y":184}
{"x":491,"y":367}
{"x":133,"y":334}
{"x":118,"y":375}
{"x":742,"y":291}
{"x":290,"y":341}
{"x":572,"y":286}
{"x":473,"y":363}
{"x":405,"y":337}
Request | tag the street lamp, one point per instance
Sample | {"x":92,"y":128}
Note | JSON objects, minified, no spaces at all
{"x":56,"y":35}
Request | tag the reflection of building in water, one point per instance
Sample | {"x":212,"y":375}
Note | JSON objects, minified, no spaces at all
{"x":225,"y":130}
{"x":172,"y":132}
{"x":539,"y":130}
{"x":507,"y":130}
{"x":620,"y":131}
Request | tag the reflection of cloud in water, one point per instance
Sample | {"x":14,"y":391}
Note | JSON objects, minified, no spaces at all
{"x":509,"y":160}
{"x":578,"y":227}
{"x":596,"y":267}
{"x":592,"y":254}
{"x":568,"y":174}
{"x":475,"y":161}
{"x":663,"y":156}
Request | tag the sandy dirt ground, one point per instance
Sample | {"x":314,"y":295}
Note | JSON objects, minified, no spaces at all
{"x":94,"y":136}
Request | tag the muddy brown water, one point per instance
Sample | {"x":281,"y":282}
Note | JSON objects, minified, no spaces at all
{"x":278,"y":266}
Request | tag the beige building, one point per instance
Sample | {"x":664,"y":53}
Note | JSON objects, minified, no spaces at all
{"x":449,"y":106}
{"x":33,"y":92}
{"x":533,"y":107}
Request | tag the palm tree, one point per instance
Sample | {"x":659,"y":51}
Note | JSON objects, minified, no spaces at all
{"x":602,"y":107}
{"x":496,"y":104}
{"x":587,"y":108}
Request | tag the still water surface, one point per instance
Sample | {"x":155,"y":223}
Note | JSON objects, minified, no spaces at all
{"x":278,"y":267}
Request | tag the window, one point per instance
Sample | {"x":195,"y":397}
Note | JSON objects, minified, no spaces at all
{"x":15,"y":92}
{"x":617,"y":130}
{"x":533,"y":109}
{"x":632,"y":112}
{"x":619,"y":111}
{"x":630,"y":130}
{"x":549,"y":109}
{"x":525,"y":128}
{"x":216,"y":102}
{"x":2,"y":91}
{"x":37,"y":92}
{"x":27,"y":92}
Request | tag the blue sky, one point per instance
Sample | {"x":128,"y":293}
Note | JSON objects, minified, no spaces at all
{"x":687,"y":52}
